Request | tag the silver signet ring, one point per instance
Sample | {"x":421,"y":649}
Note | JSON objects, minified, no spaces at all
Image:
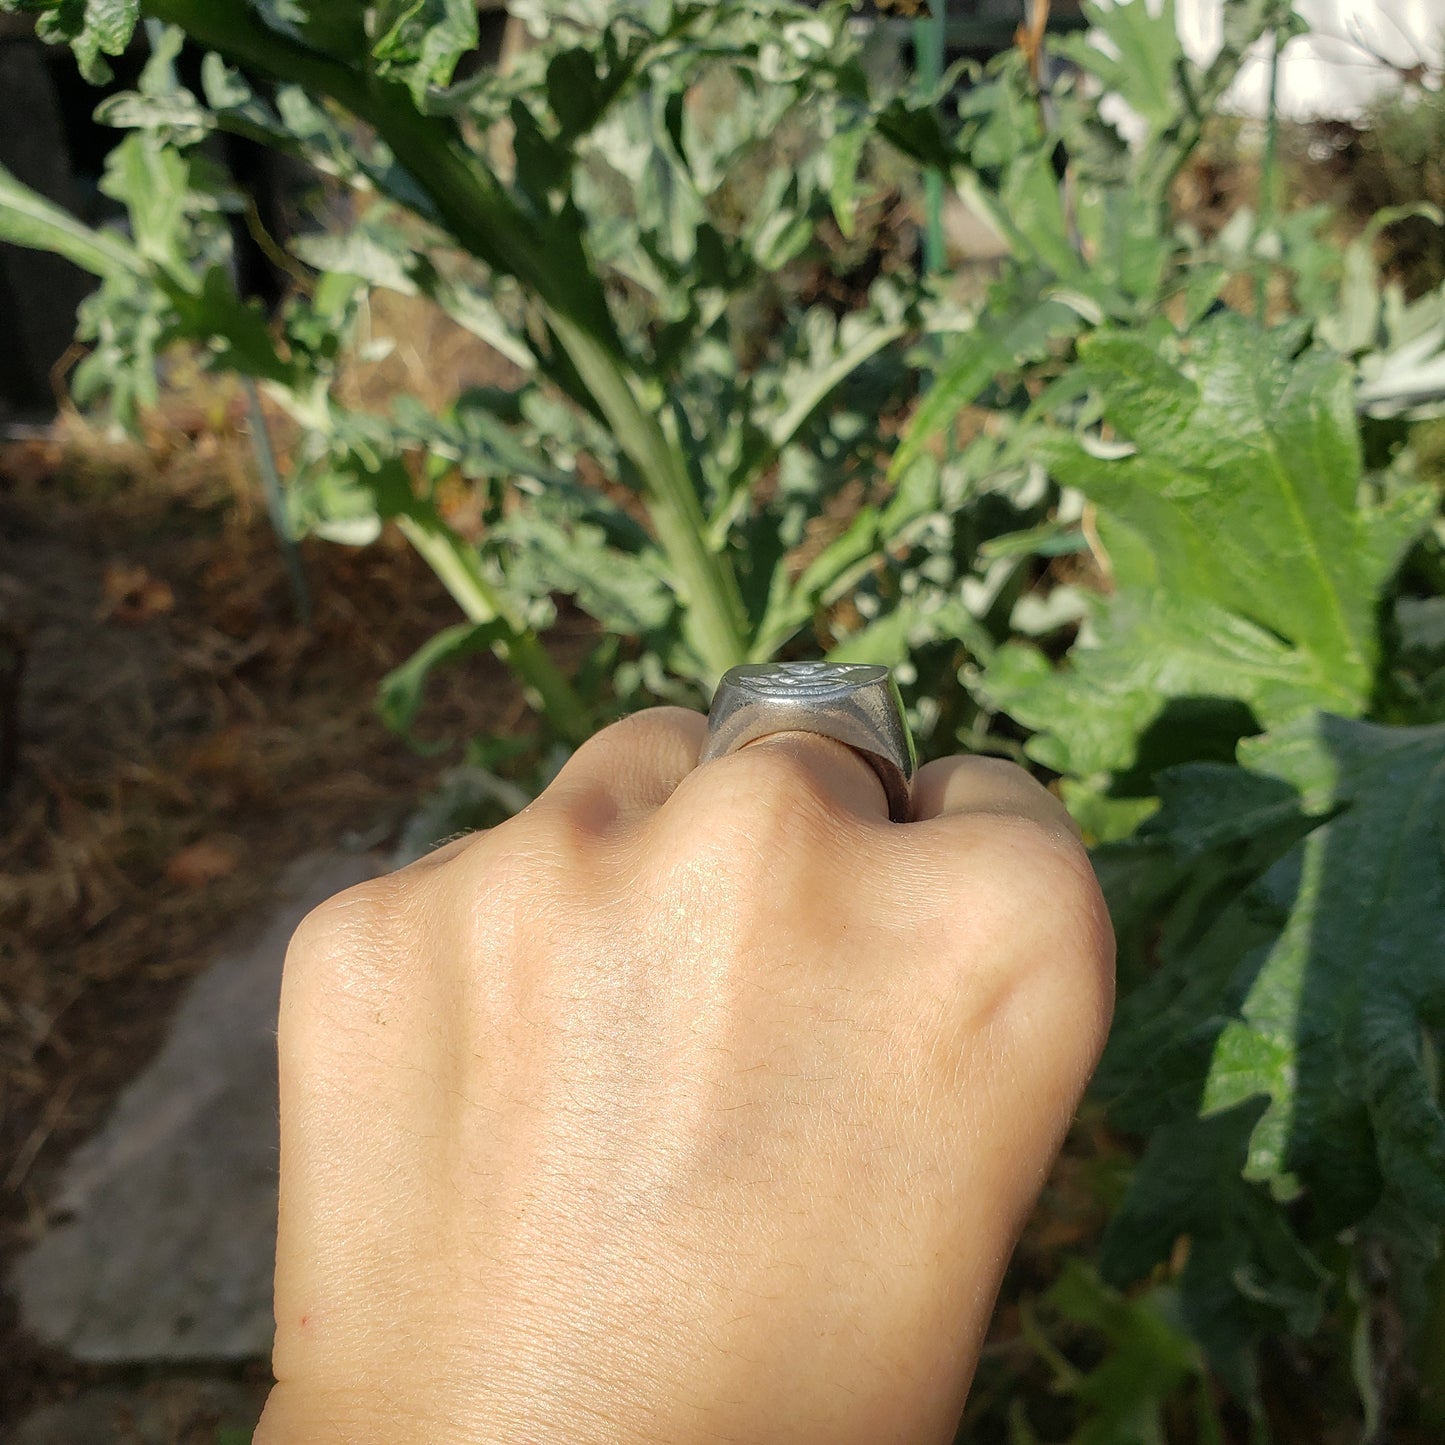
{"x":855,"y":703}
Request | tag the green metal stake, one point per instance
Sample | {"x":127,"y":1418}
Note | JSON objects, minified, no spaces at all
{"x":276,"y":501}
{"x":1269,"y":199}
{"x":928,"y":43}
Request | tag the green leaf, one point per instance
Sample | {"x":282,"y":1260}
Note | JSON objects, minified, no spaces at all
{"x":235,"y":331}
{"x":844,"y":154}
{"x":1205,"y":806}
{"x":1333,"y":1029}
{"x":401,"y":691}
{"x":388,"y":255}
{"x":1134,"y":50}
{"x":381,"y":256}
{"x":1241,"y":476}
{"x":625,"y":591}
{"x":1147,"y":1356}
{"x":286,"y":17}
{"x":161,"y":103}
{"x":124,"y":321}
{"x":420,"y":41}
{"x":998,"y":343}
{"x":1281,"y":1045}
{"x":1033,"y":200}
{"x":813,"y":384}
{"x":1049,"y":539}
{"x":1129,"y":252}
{"x":479,"y":441}
{"x":1421,"y":623}
{"x":912,"y":126}
{"x":111,"y":23}
{"x":347,"y":493}
{"x":1246,"y":1273}
{"x":781,"y":233}
{"x":1406,"y":379}
{"x":1152,"y":662}
{"x":92,"y":29}
{"x":1245,"y":21}
{"x":845,"y":560}
{"x":153,"y":182}
{"x":575,"y":92}
{"x":28,"y":219}
{"x":912,"y":623}
{"x":323,"y":25}
{"x":178,"y":116}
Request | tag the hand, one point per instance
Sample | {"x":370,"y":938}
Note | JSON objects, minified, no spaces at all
{"x":691,"y":1104}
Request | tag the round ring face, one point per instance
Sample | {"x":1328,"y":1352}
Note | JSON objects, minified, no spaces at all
{"x":855,"y":703}
{"x":805,"y":681}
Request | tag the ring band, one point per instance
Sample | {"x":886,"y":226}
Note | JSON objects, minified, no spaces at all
{"x":854,"y":703}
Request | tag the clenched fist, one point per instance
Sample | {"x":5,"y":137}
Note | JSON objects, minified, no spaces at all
{"x":691,"y":1104}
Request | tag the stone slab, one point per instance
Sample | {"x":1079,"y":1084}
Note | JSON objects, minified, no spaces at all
{"x":164,"y":1232}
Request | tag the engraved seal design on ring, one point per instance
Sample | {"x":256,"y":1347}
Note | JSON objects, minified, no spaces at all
{"x":805,"y":681}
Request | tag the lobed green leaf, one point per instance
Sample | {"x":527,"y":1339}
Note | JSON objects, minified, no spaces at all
{"x":1251,"y":563}
{"x":420,"y":42}
{"x":28,"y":219}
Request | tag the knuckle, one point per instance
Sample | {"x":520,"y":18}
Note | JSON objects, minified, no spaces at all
{"x":549,"y":850}
{"x":603,"y":745}
{"x":634,"y":729}
{"x":1013,"y":850}
{"x":1052,"y":925}
{"x":341,"y":921}
{"x":1009,"y":775}
{"x":751,"y":827}
{"x":1033,"y":883}
{"x":344,"y":950}
{"x":555,"y":835}
{"x":627,"y":751}
{"x":767,"y":794}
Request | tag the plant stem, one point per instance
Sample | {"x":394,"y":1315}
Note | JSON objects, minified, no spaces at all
{"x":715,"y":619}
{"x":577,"y":314}
{"x":1268,"y":176}
{"x":460,"y":571}
{"x":1168,"y":152}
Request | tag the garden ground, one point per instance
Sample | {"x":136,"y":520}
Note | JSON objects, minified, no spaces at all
{"x":183,"y":738}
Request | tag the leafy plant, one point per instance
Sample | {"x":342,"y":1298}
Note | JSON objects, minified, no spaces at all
{"x":611,"y":263}
{"x":1276,"y":914}
{"x":1155,"y":524}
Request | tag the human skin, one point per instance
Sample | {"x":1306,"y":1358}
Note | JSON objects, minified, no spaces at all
{"x":692,"y":1104}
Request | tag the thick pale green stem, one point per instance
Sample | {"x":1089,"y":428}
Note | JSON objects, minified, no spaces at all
{"x":713,"y":608}
{"x":460,"y":571}
{"x":578,"y":317}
